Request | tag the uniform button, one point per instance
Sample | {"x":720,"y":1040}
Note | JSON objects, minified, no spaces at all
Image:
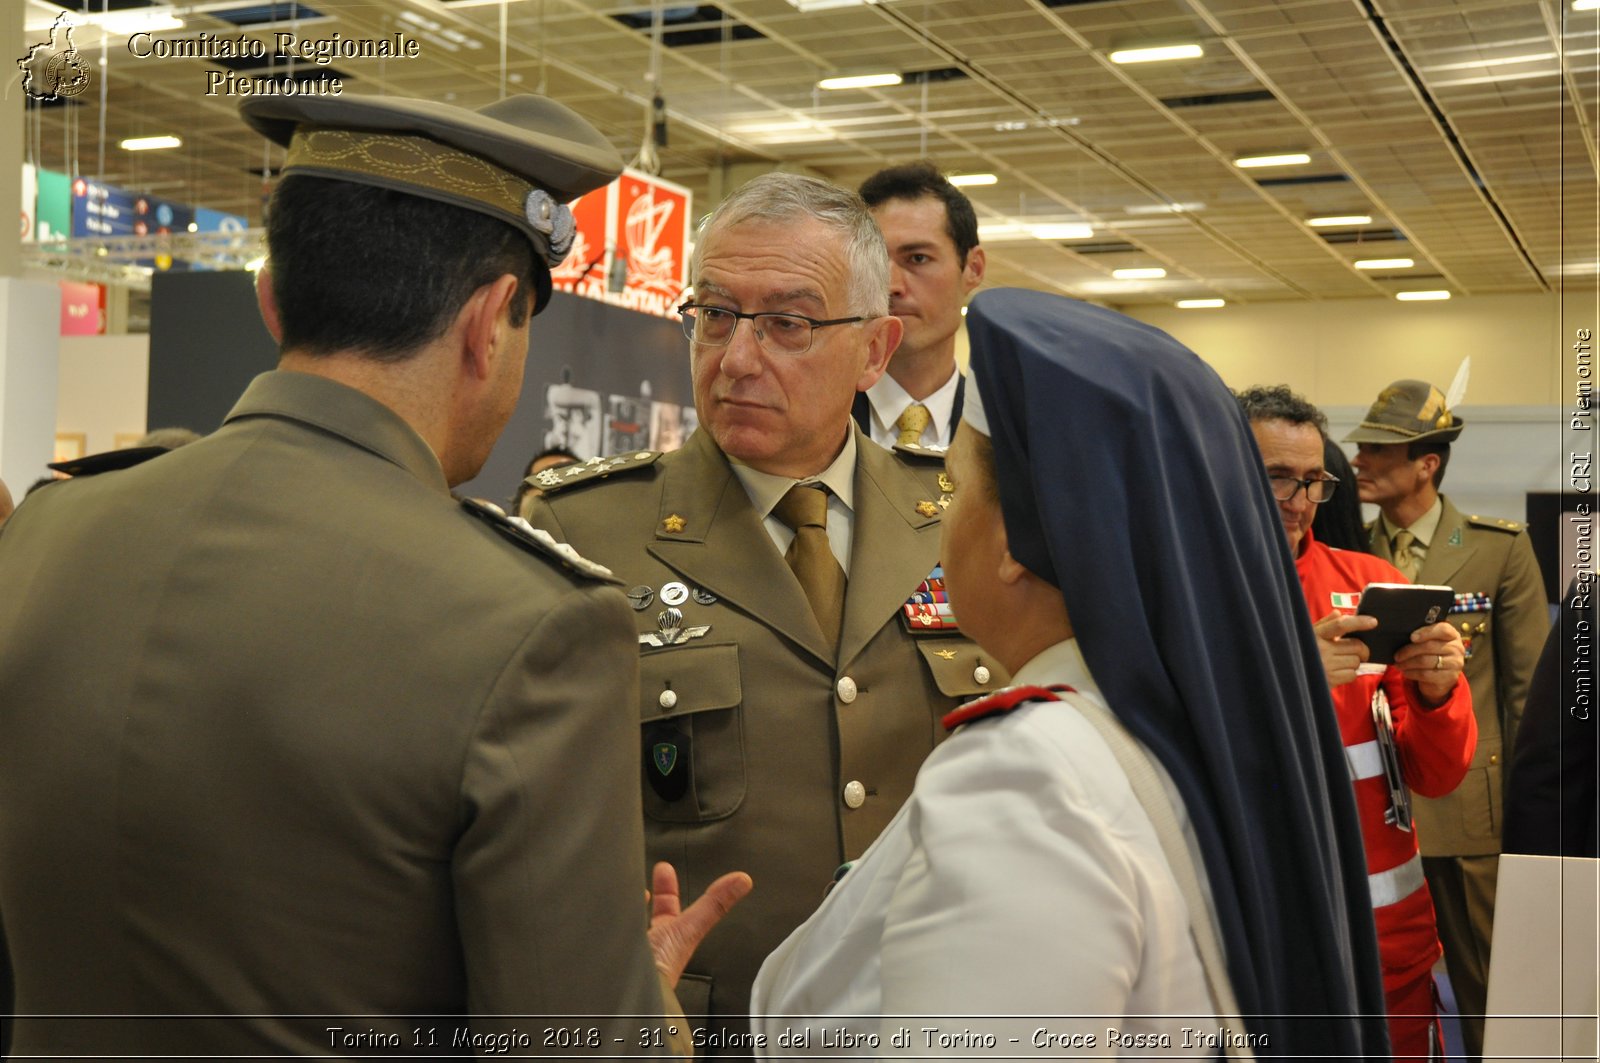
{"x":980,"y":675}
{"x":1494,"y":758}
{"x":668,"y":699}
{"x":847,"y":693}
{"x":855,"y":795}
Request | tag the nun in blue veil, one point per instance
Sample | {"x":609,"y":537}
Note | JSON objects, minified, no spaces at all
{"x":1151,"y":835}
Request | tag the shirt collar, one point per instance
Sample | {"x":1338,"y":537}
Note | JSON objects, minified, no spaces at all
{"x":1423,"y":528}
{"x":889,"y":400}
{"x":767,"y":490}
{"x":1061,"y":663}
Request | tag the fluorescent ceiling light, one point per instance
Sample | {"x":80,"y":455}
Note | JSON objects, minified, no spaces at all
{"x":1384,"y":263}
{"x":1247,"y":162}
{"x":1473,"y":64}
{"x":127,"y":23}
{"x":1585,"y":5}
{"x":1164,"y":208}
{"x":860,"y":81}
{"x":1061,"y":232}
{"x":1339,"y":220}
{"x":824,"y":5}
{"x":1157,"y":55}
{"x":1200,"y":304}
{"x":149,"y":143}
{"x":1152,"y":274}
{"x":1420,"y":297}
{"x":963,"y":180}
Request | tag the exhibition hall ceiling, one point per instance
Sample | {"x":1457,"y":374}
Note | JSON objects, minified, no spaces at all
{"x":1462,"y":131}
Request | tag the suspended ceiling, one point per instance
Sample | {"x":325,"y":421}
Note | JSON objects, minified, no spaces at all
{"x":1465,"y":130}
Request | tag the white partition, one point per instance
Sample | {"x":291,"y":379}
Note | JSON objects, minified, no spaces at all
{"x":30,"y":321}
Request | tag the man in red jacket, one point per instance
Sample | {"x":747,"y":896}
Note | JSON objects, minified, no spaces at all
{"x":1422,"y":694}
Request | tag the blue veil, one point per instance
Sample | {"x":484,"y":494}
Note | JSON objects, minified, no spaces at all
{"x":1129,"y":478}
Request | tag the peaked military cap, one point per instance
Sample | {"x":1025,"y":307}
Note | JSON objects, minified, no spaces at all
{"x":1408,"y":411}
{"x":519,"y":160}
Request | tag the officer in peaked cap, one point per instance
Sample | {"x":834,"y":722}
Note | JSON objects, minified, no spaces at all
{"x":278,"y":788}
{"x":1403,"y":448}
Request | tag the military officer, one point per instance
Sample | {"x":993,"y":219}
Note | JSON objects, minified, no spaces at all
{"x":797,"y":650}
{"x":294,"y":746}
{"x":1403,"y":448}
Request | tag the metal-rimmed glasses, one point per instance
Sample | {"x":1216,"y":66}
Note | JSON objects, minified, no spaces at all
{"x":776,"y":333}
{"x":1318,"y":488}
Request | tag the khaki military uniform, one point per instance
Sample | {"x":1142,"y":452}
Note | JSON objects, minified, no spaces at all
{"x":1503,"y":618}
{"x":285,"y":730}
{"x":762,"y":747}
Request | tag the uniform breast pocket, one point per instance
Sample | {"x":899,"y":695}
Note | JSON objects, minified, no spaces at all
{"x":959,"y":668}
{"x":692,"y":733}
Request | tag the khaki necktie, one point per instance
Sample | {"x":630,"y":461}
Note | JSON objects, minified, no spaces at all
{"x":912,"y":422}
{"x":805,"y":509}
{"x":1404,"y":559}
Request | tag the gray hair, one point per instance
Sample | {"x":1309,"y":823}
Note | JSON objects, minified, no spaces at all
{"x":791,"y":197}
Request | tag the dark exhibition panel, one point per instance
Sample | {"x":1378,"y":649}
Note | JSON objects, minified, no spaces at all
{"x":601,"y":379}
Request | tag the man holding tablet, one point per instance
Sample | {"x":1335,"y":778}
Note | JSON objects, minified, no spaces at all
{"x":1415,"y":714}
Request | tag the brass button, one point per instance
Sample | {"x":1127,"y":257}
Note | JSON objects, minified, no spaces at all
{"x":855,"y":795}
{"x":847,"y":692}
{"x":668,"y":699}
{"x":1494,"y":758}
{"x":980,"y":675}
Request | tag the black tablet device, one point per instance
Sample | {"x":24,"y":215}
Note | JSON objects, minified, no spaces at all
{"x":1401,"y":608}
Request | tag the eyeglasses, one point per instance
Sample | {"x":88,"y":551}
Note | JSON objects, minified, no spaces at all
{"x":777,"y":333}
{"x":1318,"y":489}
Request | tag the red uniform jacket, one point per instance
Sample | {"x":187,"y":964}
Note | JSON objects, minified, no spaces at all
{"x":1435,"y":748}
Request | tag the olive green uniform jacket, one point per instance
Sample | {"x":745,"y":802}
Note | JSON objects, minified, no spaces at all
{"x":772,"y":738}
{"x":1503,"y":618}
{"x":286,"y":730}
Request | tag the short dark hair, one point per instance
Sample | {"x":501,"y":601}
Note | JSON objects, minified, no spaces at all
{"x":555,"y":450}
{"x":1278,"y":403}
{"x":1431,"y":446}
{"x":379,"y":272}
{"x":913,"y":180}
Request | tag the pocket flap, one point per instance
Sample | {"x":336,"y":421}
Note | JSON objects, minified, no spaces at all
{"x":960,"y":668}
{"x":680,"y":680}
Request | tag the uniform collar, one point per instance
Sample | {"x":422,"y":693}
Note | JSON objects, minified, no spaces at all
{"x":1062,"y":663}
{"x":767,"y":490}
{"x":1423,"y":528}
{"x":350,"y":414}
{"x":889,"y":400}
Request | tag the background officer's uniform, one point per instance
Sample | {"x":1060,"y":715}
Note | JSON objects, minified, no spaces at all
{"x":763,"y":748}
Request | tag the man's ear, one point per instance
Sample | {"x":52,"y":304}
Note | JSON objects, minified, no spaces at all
{"x":267,"y":300}
{"x":883,"y":336}
{"x":1430,"y":466}
{"x":972,"y":272}
{"x":484,"y":320}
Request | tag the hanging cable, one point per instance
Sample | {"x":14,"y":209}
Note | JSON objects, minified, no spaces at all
{"x":655,"y":113}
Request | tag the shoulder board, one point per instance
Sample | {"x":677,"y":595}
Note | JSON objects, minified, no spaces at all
{"x":1497,"y":523}
{"x":581,"y":472}
{"x":107,"y":461}
{"x":537,"y":540}
{"x":1001,"y":702}
{"x":919,"y":452}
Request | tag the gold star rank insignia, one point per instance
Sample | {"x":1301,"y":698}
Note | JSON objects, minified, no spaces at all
{"x":927,"y":509}
{"x":673,"y":523}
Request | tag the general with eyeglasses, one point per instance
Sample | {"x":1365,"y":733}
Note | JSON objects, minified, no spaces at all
{"x":797,"y":649}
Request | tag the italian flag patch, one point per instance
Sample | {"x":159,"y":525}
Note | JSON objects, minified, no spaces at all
{"x":1345,"y":601}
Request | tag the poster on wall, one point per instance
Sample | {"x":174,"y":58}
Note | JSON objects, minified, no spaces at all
{"x":632,"y":244}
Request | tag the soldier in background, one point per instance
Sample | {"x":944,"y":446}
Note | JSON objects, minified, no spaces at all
{"x":1403,"y":449}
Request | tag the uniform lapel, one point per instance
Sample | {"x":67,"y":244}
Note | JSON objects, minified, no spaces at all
{"x":724,"y":548}
{"x":1449,"y":550}
{"x":904,"y":545}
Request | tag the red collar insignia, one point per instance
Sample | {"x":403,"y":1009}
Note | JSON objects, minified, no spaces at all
{"x":1000,"y":702}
